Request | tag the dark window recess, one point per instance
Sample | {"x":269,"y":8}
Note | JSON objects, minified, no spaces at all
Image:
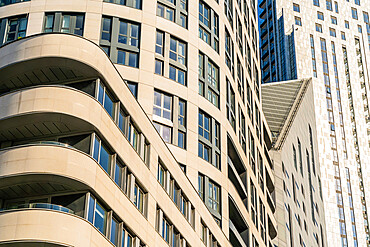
{"x":74,"y":202}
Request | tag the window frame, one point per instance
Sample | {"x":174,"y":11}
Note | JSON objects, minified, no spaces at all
{"x":115,"y":46}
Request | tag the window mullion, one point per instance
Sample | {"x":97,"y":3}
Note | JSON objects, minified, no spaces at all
{"x":57,"y":27}
{"x":114,"y":39}
{"x":166,"y":53}
{"x":72,"y":24}
{"x":175,"y":117}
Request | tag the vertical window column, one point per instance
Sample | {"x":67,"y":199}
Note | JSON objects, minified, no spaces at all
{"x":169,"y":116}
{"x":175,"y":67}
{"x":230,"y":104}
{"x":175,"y":11}
{"x":209,"y":82}
{"x":209,"y":139}
{"x":208,"y":26}
{"x":342,"y":223}
{"x":210,"y":193}
{"x":357,"y":153}
{"x":229,"y":52}
{"x":120,"y":39}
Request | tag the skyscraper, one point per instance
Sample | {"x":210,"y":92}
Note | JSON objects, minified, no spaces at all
{"x":330,"y":42}
{"x":133,"y":123}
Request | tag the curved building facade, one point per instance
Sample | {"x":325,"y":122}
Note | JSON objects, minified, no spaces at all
{"x":133,"y":123}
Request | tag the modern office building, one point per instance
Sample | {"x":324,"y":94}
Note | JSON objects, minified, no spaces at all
{"x":133,"y":123}
{"x":300,"y":212}
{"x":329,"y":41}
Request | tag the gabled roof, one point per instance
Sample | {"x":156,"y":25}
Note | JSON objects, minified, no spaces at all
{"x":280,"y":102}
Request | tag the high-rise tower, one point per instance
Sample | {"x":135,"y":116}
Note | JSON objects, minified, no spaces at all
{"x":330,"y":42}
{"x":84,"y":88}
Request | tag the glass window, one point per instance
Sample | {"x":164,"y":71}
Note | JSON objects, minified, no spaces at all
{"x":161,"y":175}
{"x":296,"y":7}
{"x":133,"y":88}
{"x":49,"y":23}
{"x":129,"y":241}
{"x":162,"y":105}
{"x":177,"y":51}
{"x":213,"y":74}
{"x":318,"y":28}
{"x":122,"y":117}
{"x":165,"y":12}
{"x":128,"y":58}
{"x":333,"y":20}
{"x":128,"y":33}
{"x":253,"y":203}
{"x":118,"y":174}
{"x":320,"y":15}
{"x":124,"y":46}
{"x":298,"y":21}
{"x":133,"y":135}
{"x":69,"y":23}
{"x":329,"y":5}
{"x":229,"y":50}
{"x":204,"y":126}
{"x":181,"y":139}
{"x":214,"y":196}
{"x":139,"y":198}
{"x":158,"y":67}
{"x":114,"y":232}
{"x":159,"y":43}
{"x":204,"y":152}
{"x":16,"y":28}
{"x":164,"y":131}
{"x":166,"y":230}
{"x":354,"y":13}
{"x":106,"y":29}
{"x":229,"y":11}
{"x":213,"y":97}
{"x":101,"y":155}
{"x":130,"y":3}
{"x":332,"y":32}
{"x":177,"y":75}
{"x":182,"y":106}
{"x":208,"y":25}
{"x":230,"y":104}
{"x":204,"y":14}
{"x":106,"y":100}
{"x":97,"y":215}
{"x":201,"y":65}
{"x":201,"y":186}
{"x":316,"y":3}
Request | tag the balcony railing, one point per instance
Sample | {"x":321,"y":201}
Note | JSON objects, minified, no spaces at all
{"x":40,"y":206}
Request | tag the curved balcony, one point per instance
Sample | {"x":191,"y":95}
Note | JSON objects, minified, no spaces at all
{"x":47,"y":228}
{"x":64,"y":175}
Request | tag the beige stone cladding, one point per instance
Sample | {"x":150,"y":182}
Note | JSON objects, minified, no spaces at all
{"x":93,"y":134}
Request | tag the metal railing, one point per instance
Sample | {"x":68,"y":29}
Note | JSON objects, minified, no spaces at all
{"x":40,"y":206}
